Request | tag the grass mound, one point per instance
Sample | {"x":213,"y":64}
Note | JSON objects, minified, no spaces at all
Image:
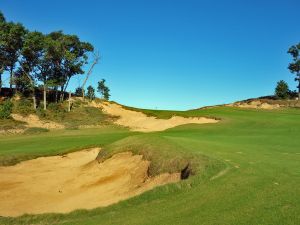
{"x":165,"y":156}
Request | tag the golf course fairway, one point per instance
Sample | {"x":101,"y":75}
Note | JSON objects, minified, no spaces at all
{"x":246,"y":169}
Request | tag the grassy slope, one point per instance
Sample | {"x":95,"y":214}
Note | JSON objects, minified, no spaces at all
{"x":261,"y":184}
{"x":80,"y":115}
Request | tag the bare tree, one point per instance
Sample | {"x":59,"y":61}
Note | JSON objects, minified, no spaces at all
{"x":31,"y":84}
{"x":69,"y":108}
{"x":96,"y":60}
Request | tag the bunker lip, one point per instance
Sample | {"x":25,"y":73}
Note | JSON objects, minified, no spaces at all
{"x":61,"y":184}
{"x":138,"y":121}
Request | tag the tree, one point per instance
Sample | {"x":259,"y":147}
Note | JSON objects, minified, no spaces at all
{"x":90,"y":93}
{"x":2,"y":53}
{"x":33,"y":53}
{"x":103,"y":89}
{"x":78,"y":91}
{"x":35,"y":59}
{"x":22,"y":82}
{"x":1,"y":72}
{"x":11,"y":42}
{"x":62,"y":56}
{"x":106,"y":94}
{"x":282,"y":90}
{"x":67,"y":55}
{"x":294,"y":67}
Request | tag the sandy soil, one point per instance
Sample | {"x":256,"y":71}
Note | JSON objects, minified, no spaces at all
{"x":75,"y":181}
{"x":12,"y":131}
{"x":255,"y":105}
{"x":34,"y":121}
{"x":138,"y":121}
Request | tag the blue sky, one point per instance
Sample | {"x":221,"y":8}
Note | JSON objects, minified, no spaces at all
{"x":175,"y":54}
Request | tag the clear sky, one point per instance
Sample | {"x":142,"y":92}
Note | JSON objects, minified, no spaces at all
{"x":175,"y":54}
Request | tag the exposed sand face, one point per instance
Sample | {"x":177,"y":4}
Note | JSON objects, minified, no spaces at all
{"x":75,"y":181}
{"x":138,"y":121}
{"x":254,"y":105}
{"x":34,"y":121}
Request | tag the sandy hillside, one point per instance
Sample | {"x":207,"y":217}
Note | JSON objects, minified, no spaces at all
{"x":74,"y":181}
{"x":138,"y":121}
{"x":254,"y":105}
{"x":34,"y":121}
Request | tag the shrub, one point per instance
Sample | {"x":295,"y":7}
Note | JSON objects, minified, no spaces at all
{"x":24,"y":107}
{"x":55,"y":107}
{"x":6,"y":109}
{"x":56,"y":111}
{"x":40,"y":112}
{"x":282,"y":90}
{"x":293,"y":94}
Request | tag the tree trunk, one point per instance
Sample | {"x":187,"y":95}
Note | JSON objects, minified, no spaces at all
{"x":65,"y":88}
{"x":56,"y":94}
{"x":69,"y":109}
{"x":0,"y":81}
{"x":1,"y":71}
{"x":34,"y":100}
{"x":45,"y":97}
{"x":62,"y":93}
{"x":96,"y":59}
{"x":32,"y":86}
{"x":10,"y":78}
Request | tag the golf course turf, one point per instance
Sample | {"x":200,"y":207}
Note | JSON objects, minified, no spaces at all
{"x":246,"y":169}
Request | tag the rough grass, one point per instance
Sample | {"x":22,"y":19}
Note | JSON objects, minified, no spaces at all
{"x":7,"y":124}
{"x":80,"y":115}
{"x":257,"y":181}
{"x":84,"y":116}
{"x":35,"y":130}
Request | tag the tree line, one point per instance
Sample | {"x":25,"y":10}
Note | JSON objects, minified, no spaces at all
{"x":44,"y":61}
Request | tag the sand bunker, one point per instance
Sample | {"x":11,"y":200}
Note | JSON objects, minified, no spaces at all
{"x":138,"y":121}
{"x":34,"y":121}
{"x":75,"y":181}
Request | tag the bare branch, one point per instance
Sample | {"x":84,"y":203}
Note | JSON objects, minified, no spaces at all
{"x":96,"y":60}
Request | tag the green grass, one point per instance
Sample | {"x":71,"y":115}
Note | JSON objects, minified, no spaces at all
{"x":256,"y":151}
{"x":22,"y":147}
